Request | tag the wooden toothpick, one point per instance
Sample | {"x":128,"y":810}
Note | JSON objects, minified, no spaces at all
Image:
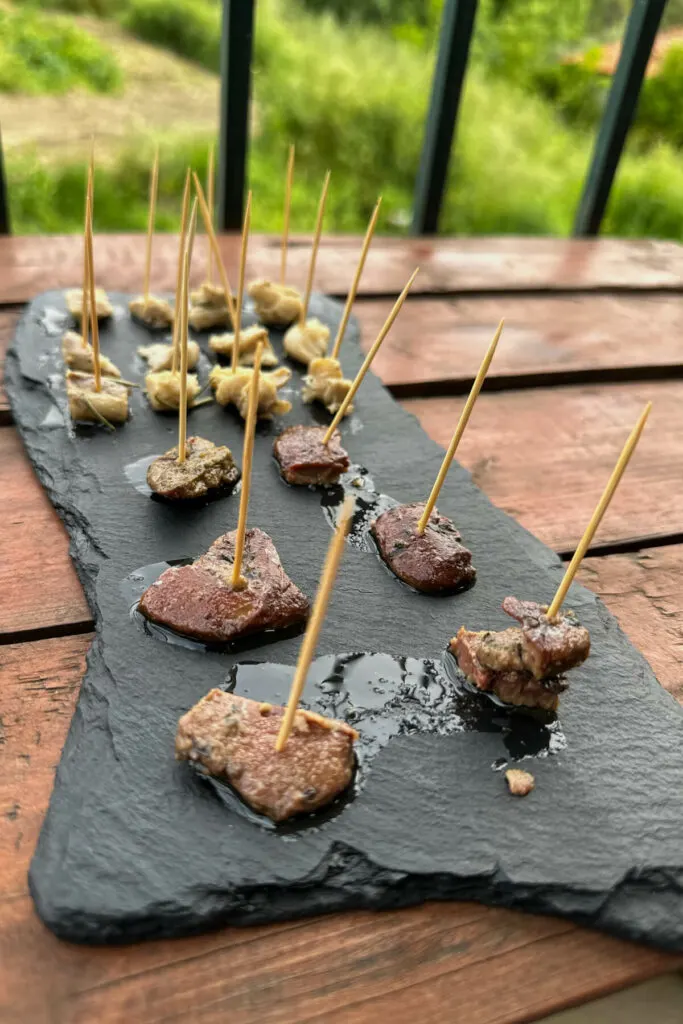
{"x":179,"y":274}
{"x":240,"y":283}
{"x":314,"y":249}
{"x":368,"y":359}
{"x":85,"y":292}
{"x":153,"y":188}
{"x":596,"y":518}
{"x":459,"y":430}
{"x":94,"y":325}
{"x":350,"y":298}
{"x":322,"y":598}
{"x":211,"y":201}
{"x":184,"y":298}
{"x":288,"y":203}
{"x":238,"y":581}
{"x":230,"y":302}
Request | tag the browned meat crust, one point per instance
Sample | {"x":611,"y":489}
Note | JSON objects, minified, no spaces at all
{"x":519,"y":782}
{"x":207,"y":467}
{"x":549,"y":647}
{"x":198,"y":600}
{"x":433,"y":562}
{"x":234,"y":739}
{"x":304,"y":459}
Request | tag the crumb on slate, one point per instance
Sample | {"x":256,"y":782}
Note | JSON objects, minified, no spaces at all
{"x":519,"y":783}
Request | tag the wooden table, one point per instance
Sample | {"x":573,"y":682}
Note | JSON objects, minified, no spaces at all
{"x":594,"y":328}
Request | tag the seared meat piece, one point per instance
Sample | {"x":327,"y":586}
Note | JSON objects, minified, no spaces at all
{"x":433,"y":562}
{"x":74,"y":303}
{"x":199,"y":601}
{"x":159,"y":355}
{"x":519,"y":782}
{"x":155,"y":313}
{"x":549,"y":648}
{"x":325,"y":383}
{"x":78,"y":355}
{"x":209,"y":307}
{"x":276,"y":305}
{"x":163,"y":390}
{"x":207,"y":467}
{"x":305,"y":342}
{"x":91,"y":406}
{"x":233,"y":738}
{"x":222,"y":345}
{"x":304,"y":459}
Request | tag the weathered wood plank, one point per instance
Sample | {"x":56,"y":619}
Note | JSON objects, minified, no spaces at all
{"x":405,"y":965}
{"x":31,"y":264}
{"x":8,"y":322}
{"x":40,"y":589}
{"x":544,"y":456}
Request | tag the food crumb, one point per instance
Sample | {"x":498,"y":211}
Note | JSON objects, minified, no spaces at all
{"x":265,"y":708}
{"x":519,"y":782}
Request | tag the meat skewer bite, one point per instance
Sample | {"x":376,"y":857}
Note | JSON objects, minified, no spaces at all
{"x":282,"y":761}
{"x":169,"y":390}
{"x":314,"y":455}
{"x":279,"y":305}
{"x":325,"y":381}
{"x":420,"y":546}
{"x":307,"y":339}
{"x":212,"y":305}
{"x":238,"y":587}
{"x":149,"y":309}
{"x":90,"y":398}
{"x":526,"y":664}
{"x":78,"y":299}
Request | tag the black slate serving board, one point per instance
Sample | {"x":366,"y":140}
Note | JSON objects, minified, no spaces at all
{"x":136,"y":845}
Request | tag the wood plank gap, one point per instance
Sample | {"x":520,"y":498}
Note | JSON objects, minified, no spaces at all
{"x":627,"y":546}
{"x":24,"y":636}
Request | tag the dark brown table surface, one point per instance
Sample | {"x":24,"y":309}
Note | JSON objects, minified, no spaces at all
{"x":594,"y":329}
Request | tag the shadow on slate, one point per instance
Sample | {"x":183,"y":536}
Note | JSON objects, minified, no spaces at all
{"x":135,"y":845}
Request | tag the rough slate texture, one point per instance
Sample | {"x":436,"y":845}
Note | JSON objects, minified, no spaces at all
{"x":135,"y":845}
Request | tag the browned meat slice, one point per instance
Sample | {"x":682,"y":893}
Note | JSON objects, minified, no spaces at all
{"x":433,"y":562}
{"x":304,"y":459}
{"x":511,"y":684}
{"x":549,"y":648}
{"x":234,"y":739}
{"x":207,"y":467}
{"x":519,"y":782}
{"x":198,"y":600}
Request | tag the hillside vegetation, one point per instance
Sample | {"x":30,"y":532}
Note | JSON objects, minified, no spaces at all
{"x":349,"y":83}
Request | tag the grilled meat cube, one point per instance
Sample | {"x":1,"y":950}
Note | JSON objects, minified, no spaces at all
{"x":304,"y":459}
{"x":74,"y":303}
{"x":209,"y":307}
{"x":222,"y":345}
{"x":433,"y":562}
{"x":305,"y":342}
{"x":233,"y":738}
{"x":550,"y":648}
{"x":78,"y":355}
{"x":152,"y":312}
{"x":325,"y":383}
{"x":276,"y":305}
{"x":207,"y":467}
{"x":519,"y":782}
{"x":199,"y":601}
{"x":163,"y":390}
{"x":522,"y":690}
{"x":91,"y":406}
{"x":233,"y":389}
{"x":159,"y":355}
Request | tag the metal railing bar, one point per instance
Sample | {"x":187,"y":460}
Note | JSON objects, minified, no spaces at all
{"x":639,"y":37}
{"x":236,"y":51}
{"x":4,"y":202}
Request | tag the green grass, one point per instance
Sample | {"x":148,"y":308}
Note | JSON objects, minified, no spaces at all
{"x":46,"y":53}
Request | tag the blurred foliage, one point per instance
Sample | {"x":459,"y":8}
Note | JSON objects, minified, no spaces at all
{"x":47,"y":53}
{"x":190,"y":28}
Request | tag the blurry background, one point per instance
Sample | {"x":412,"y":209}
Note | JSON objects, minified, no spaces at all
{"x":348,"y":81}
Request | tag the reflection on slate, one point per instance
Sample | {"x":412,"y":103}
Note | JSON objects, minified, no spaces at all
{"x":137,"y":845}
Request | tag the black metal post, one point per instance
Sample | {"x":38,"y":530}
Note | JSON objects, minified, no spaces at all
{"x":454,"y":46}
{"x":236,"y":49}
{"x":641,"y":29}
{"x":4,"y":206}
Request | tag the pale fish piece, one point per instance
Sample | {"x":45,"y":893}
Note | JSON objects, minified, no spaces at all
{"x":156,"y":313}
{"x":326,"y":383}
{"x":276,"y":305}
{"x":74,"y":303}
{"x":233,"y":389}
{"x":163,"y":390}
{"x":222,"y":345}
{"x":305,"y":342}
{"x":208,"y":307}
{"x":159,"y":355}
{"x":111,"y":402}
{"x":78,"y":355}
